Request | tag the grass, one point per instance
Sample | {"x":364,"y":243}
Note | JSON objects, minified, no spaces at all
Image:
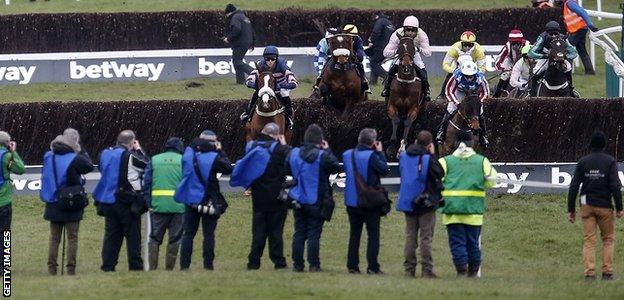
{"x":530,"y":251}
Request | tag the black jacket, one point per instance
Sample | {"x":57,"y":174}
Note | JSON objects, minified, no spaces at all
{"x":264,"y":190}
{"x":79,"y":166}
{"x":240,"y":33}
{"x":221,"y":165}
{"x":435,"y":173}
{"x":329,"y":165}
{"x":598,"y":172}
{"x":380,"y":36}
{"x":377,"y":166}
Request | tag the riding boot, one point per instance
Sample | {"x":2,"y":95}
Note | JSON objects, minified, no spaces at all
{"x":422,"y":74}
{"x":246,"y":116}
{"x":441,"y":136}
{"x":365,"y":88}
{"x":288,"y":111}
{"x":483,"y":140}
{"x":500,"y":87}
{"x":573,"y":92}
{"x":391,"y":73}
{"x":318,"y":79}
{"x":533,"y":84}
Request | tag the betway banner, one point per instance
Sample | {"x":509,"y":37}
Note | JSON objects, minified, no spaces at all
{"x":166,"y":65}
{"x":553,"y":177}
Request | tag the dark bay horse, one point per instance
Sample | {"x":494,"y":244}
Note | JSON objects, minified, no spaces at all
{"x":340,"y":85}
{"x":268,"y":108}
{"x":405,"y":99}
{"x":555,"y":82}
{"x":466,"y":119}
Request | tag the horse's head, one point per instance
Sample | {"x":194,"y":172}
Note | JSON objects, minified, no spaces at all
{"x":557,"y":52}
{"x":406,"y":53}
{"x":266,"y":92}
{"x":341,"y":46}
{"x":470,"y":109}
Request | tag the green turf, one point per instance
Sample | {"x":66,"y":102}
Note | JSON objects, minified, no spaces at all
{"x":530,"y":252}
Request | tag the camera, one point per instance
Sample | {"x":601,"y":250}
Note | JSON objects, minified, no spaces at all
{"x":283,"y":195}
{"x":208,"y":209}
{"x":424,"y":200}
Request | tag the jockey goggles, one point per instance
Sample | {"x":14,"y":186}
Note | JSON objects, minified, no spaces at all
{"x":467,"y":44}
{"x":410,"y":29}
{"x":270,"y":58}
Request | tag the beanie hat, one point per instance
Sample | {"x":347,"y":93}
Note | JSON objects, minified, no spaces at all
{"x":176,"y":144}
{"x":230,"y":8}
{"x":313,"y":135}
{"x":5,"y":138}
{"x":464,"y":136}
{"x":598,"y":140}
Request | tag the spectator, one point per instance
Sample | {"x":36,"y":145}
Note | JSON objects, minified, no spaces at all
{"x":577,"y":22}
{"x":382,"y":30}
{"x":11,"y":163}
{"x":240,"y":37}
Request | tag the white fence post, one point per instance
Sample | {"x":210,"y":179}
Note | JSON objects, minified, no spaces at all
{"x":7,"y":2}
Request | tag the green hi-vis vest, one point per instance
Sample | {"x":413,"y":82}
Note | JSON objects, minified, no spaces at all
{"x":166,"y":175}
{"x":464,"y":186}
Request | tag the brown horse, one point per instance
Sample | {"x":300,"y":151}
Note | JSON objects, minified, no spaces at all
{"x":405,"y":99}
{"x":466,"y":119}
{"x":555,"y":82}
{"x":340,"y":85}
{"x":268,"y":108}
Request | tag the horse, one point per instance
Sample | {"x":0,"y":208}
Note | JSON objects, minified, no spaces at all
{"x":555,"y":82}
{"x":340,"y":85}
{"x":268,"y":109}
{"x":465,"y":119}
{"x":405,"y":100}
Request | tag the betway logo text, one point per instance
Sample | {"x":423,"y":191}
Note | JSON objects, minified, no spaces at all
{"x":112,"y":69}
{"x":21,"y":74}
{"x":207,"y":67}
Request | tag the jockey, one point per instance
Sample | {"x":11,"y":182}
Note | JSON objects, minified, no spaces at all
{"x":358,"y":48}
{"x":322,"y":51}
{"x":421,"y":42}
{"x":467,"y":78}
{"x":285,"y":81}
{"x":539,"y":51}
{"x":508,"y":56}
{"x":521,"y":71}
{"x":467,"y":46}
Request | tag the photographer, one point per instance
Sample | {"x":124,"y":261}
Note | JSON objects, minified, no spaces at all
{"x":63,"y":167}
{"x":311,"y":165}
{"x":370,"y":161}
{"x":419,"y":197}
{"x":118,"y":198}
{"x":199,"y":191}
{"x":11,"y":163}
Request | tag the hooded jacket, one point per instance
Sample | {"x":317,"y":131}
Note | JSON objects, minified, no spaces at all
{"x":328,"y":165}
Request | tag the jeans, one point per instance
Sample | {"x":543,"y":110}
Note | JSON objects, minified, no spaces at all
{"x":577,"y":40}
{"x":191,"y":224}
{"x":6,"y":213}
{"x":593,"y":218}
{"x":160,"y":223}
{"x":56,"y":233}
{"x":464,"y":241}
{"x":425,"y":224}
{"x":267,"y":225}
{"x":308,"y":226}
{"x":238,"y":54}
{"x":120,"y":223}
{"x":357,"y":218}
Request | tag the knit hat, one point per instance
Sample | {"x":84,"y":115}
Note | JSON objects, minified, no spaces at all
{"x":230,"y":8}
{"x":175,"y":143}
{"x":464,"y":136}
{"x":598,"y":140}
{"x":5,"y":138}
{"x":208,"y":135}
{"x":313,"y":135}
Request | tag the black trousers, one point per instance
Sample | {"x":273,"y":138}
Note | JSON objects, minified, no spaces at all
{"x":577,"y":40}
{"x":377,"y":70}
{"x":267,"y":225}
{"x":191,"y":224}
{"x":359,"y":217}
{"x":241,"y":68}
{"x":6,"y":213}
{"x":120,"y":223}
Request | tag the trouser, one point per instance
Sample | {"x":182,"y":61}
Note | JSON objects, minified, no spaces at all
{"x":357,"y":218}
{"x":425,"y":223}
{"x":500,"y":87}
{"x":191,"y":224}
{"x":162,"y":222}
{"x":56,"y":232}
{"x":267,"y":225}
{"x":464,"y":241}
{"x":577,"y":40}
{"x":6,"y":214}
{"x":443,"y":87}
{"x":603,"y":218}
{"x":377,"y":71}
{"x":242,"y":69}
{"x":120,"y":223}
{"x":308,"y":227}
{"x":360,"y":70}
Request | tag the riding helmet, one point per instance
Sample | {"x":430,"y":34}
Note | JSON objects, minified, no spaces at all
{"x":515,"y":35}
{"x":553,"y":26}
{"x":525,"y":50}
{"x":270,"y":51}
{"x":350,"y":29}
{"x":411,"y":21}
{"x":468,"y":36}
{"x":469,"y":68}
